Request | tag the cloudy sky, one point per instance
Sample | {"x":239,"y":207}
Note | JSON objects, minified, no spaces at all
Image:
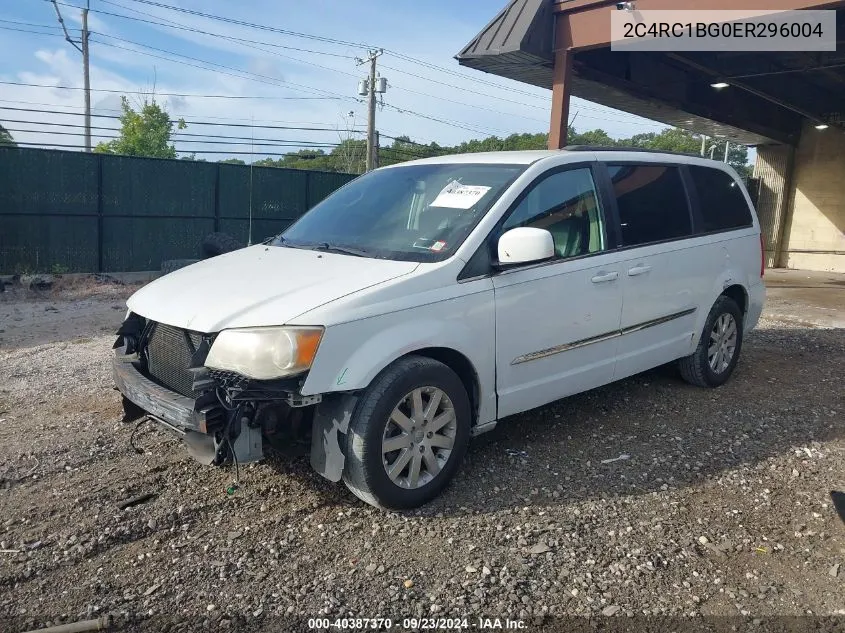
{"x":298,"y":71}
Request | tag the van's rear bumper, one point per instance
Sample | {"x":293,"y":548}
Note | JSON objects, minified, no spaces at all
{"x":179,"y":412}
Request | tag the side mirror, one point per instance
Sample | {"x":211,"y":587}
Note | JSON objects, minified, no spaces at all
{"x":525,"y":244}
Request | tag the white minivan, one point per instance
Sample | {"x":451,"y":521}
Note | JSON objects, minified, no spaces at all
{"x":423,"y":302}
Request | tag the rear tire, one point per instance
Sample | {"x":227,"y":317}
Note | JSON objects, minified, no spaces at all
{"x":419,"y":406}
{"x":717,"y":353}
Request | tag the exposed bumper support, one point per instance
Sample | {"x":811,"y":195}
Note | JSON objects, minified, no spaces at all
{"x":180,"y":413}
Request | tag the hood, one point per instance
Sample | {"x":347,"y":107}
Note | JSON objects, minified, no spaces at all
{"x":258,"y":286}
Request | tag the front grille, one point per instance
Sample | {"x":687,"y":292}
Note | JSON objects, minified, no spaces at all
{"x":169,"y":352}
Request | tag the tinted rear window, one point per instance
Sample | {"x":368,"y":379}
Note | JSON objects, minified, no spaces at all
{"x":722,"y":204}
{"x":652,"y":203}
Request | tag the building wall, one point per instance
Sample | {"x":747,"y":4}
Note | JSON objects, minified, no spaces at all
{"x":815,"y":232}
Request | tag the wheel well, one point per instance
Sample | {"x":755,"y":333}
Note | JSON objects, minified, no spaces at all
{"x":462,"y":366}
{"x":737,"y":293}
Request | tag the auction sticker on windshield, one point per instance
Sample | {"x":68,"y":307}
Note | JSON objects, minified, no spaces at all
{"x":458,"y":196}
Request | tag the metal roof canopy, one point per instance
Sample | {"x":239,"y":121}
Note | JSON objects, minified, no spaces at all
{"x":518,"y":43}
{"x":770,"y":95}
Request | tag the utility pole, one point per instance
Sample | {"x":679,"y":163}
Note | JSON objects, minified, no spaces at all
{"x":727,"y":147}
{"x":85,"y":63}
{"x":370,"y":89}
{"x":703,"y":144}
{"x":375,"y":150}
{"x":87,"y":76}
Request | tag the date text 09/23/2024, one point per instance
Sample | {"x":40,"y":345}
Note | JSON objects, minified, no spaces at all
{"x":415,"y":624}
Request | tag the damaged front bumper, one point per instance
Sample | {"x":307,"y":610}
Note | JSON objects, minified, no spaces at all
{"x":231,"y":417}
{"x":202,"y":423}
{"x":180,"y":413}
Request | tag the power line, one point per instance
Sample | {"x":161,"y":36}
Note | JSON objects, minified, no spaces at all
{"x":469,"y":105}
{"x":244,"y":74}
{"x":328,"y":40}
{"x":463,"y":88}
{"x":457,"y":124}
{"x":262,"y":78}
{"x":170,"y":24}
{"x":173,"y":115}
{"x":199,"y":151}
{"x":178,"y":133}
{"x":254,"y":44}
{"x":397,"y":54}
{"x":333,"y":96}
{"x":187,"y":121}
{"x":290,"y":143}
{"x":245,"y":41}
{"x":463,"y":76}
{"x":42,"y":26}
{"x":165,"y":94}
{"x":11,"y":28}
{"x":262,"y":27}
{"x":258,"y":48}
{"x":432,"y":118}
{"x":175,"y":25}
{"x":528,"y":105}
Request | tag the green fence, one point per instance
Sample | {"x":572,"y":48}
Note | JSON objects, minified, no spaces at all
{"x":75,"y":212}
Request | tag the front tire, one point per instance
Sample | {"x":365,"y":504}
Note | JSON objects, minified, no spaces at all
{"x":408,"y":434}
{"x":718,"y":348}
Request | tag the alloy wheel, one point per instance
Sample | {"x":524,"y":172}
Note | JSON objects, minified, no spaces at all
{"x":419,"y":437}
{"x":722,"y":347}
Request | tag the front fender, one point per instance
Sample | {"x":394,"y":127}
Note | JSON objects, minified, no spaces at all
{"x":352,"y":354}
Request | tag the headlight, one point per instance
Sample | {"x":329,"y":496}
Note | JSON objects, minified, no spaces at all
{"x":264,"y":353}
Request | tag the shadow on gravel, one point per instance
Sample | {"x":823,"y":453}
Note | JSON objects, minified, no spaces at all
{"x":786,"y":394}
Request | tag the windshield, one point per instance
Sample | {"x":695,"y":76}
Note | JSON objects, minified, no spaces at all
{"x":414,"y":213}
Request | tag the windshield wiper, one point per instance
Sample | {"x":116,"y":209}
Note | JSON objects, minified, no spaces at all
{"x":334,"y":248}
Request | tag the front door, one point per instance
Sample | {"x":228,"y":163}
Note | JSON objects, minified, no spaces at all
{"x":557,"y":322}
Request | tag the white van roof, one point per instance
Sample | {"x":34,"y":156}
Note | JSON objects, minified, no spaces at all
{"x":528,"y":157}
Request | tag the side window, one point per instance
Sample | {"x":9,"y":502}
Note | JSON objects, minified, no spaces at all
{"x":652,"y":203}
{"x":722,"y":204}
{"x":566,"y":205}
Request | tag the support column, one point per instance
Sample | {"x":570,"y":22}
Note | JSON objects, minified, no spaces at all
{"x":561,"y":89}
{"x":773,"y":171}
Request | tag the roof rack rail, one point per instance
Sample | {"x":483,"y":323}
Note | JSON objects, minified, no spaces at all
{"x":616,"y":148}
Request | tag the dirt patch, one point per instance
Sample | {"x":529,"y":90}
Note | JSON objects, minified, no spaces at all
{"x":72,"y":310}
{"x":720,"y":509}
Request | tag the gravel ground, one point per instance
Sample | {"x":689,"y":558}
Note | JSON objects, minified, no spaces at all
{"x":647,"y":497}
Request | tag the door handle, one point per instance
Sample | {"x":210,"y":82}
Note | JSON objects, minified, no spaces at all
{"x":605,"y":277}
{"x":638,"y":270}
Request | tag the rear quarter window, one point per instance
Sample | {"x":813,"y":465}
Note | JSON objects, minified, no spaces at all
{"x":722,"y":203}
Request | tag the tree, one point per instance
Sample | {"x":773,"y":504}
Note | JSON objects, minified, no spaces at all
{"x":145,"y":132}
{"x":6,"y":138}
{"x":668,"y":140}
{"x":592,"y":137}
{"x":348,"y":156}
{"x":676,"y":140}
{"x":232,"y":161}
{"x":737,"y":154}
